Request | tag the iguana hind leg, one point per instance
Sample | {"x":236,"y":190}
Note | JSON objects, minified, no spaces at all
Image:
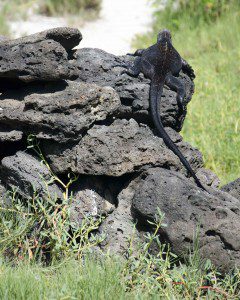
{"x":188,"y":69}
{"x":176,"y":85}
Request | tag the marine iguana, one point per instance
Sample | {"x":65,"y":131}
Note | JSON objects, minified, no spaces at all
{"x":162,"y":63}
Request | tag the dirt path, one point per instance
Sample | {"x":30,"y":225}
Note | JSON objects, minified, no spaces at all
{"x":118,"y":23}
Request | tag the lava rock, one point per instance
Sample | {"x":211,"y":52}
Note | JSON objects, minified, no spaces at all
{"x":188,"y":210}
{"x":61,"y":114}
{"x":93,"y":196}
{"x":3,"y":194}
{"x":119,"y":227}
{"x":65,"y":36}
{"x":42,"y":56}
{"x":233,"y":188}
{"x":120,"y":148}
{"x":208,"y":177}
{"x":10,"y":135}
{"x":28,"y":176}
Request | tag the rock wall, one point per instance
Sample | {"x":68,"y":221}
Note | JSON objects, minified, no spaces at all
{"x":93,"y":121}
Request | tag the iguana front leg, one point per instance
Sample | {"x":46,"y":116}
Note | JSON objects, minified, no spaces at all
{"x":138,"y":52}
{"x":176,"y":85}
{"x":188,"y":69}
{"x":135,"y":69}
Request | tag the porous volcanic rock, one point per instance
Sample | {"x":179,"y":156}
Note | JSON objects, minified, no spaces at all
{"x":208,"y":177}
{"x":119,"y":227}
{"x":27,"y":175}
{"x":120,"y":148}
{"x":59,"y":112}
{"x":41,"y":56}
{"x":8,"y":135}
{"x":188,"y":210}
{"x":3,"y":193}
{"x":93,"y":196}
{"x":233,"y":188}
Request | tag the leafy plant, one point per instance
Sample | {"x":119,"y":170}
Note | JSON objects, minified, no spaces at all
{"x":42,"y":228}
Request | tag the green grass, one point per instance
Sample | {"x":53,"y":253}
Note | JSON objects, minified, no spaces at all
{"x":213,"y":49}
{"x":67,"y":280}
{"x":46,"y":255}
{"x":106,"y":279}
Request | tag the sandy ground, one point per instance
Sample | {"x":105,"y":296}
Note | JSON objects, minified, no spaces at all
{"x":119,"y":22}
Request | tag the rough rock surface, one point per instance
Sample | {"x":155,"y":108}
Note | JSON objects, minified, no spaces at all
{"x":42,"y":56}
{"x":114,"y":150}
{"x":92,"y":196}
{"x":88,"y":203}
{"x":65,"y":36}
{"x":26,"y":174}
{"x":7,"y":135}
{"x":119,"y":226}
{"x":3,"y":192}
{"x":233,"y":188}
{"x":208,"y":177}
{"x":102,"y":68}
{"x":188,"y":209}
{"x":60,"y":113}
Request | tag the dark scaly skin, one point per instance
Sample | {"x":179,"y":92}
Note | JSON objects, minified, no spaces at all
{"x":161,"y":63}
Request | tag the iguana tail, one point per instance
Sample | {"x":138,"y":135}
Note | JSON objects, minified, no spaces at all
{"x":155,"y":100}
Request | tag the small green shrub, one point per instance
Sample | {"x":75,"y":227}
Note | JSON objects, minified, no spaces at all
{"x":141,"y":275}
{"x":192,"y":12}
{"x":41,"y":229}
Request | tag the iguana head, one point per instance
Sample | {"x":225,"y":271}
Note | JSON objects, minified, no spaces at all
{"x":163,"y":35}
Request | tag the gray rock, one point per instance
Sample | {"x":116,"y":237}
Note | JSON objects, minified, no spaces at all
{"x":88,"y":203}
{"x":10,"y":135}
{"x":187,"y":210}
{"x":233,"y":188}
{"x":208,"y":177}
{"x":119,"y":227}
{"x":92,"y":196}
{"x":42,"y":56}
{"x":60,"y":115}
{"x":193,"y":155}
{"x":120,"y":148}
{"x":65,"y":36}
{"x":102,"y":68}
{"x":3,"y":194}
{"x":26,"y":174}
